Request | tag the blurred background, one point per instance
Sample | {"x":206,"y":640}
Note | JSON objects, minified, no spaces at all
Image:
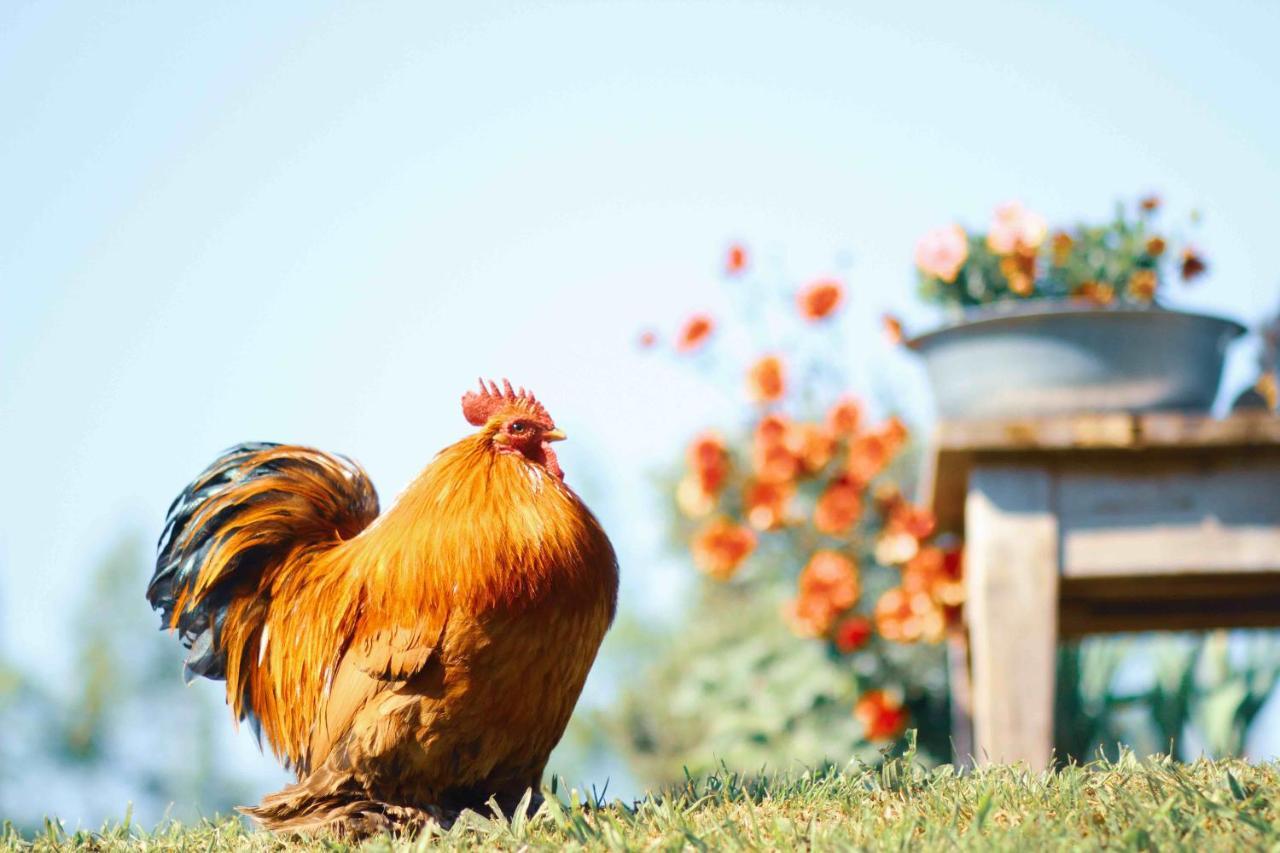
{"x":320,"y":222}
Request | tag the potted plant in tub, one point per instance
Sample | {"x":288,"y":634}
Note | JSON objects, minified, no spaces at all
{"x":1052,"y":321}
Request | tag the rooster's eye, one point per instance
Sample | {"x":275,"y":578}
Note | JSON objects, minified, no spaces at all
{"x":518,"y":426}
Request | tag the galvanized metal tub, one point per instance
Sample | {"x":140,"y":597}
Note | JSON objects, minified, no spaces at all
{"x":1054,"y":358}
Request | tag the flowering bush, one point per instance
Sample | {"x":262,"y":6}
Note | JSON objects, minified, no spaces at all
{"x":1126,"y":260}
{"x":809,"y":551}
{"x":813,"y":634}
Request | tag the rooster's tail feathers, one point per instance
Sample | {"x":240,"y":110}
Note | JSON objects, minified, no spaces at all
{"x":249,"y":515}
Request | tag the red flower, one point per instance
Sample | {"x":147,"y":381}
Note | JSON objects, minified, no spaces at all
{"x":1193,"y":266}
{"x":1150,"y":203}
{"x":852,"y":634}
{"x":765,"y":381}
{"x":695,"y":332}
{"x":820,"y":299}
{"x":647,"y":339}
{"x":720,"y":547}
{"x":882,"y":716}
{"x":735,"y":261}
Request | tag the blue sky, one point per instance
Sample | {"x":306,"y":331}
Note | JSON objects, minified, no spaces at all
{"x":320,"y":222}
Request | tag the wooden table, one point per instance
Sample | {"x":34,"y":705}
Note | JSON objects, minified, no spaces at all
{"x":1098,"y":523}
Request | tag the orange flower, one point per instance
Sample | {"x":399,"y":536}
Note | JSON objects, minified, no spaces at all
{"x":844,"y":417}
{"x":1150,"y":203}
{"x":937,"y":572}
{"x":892,"y":329}
{"x":915,"y":521}
{"x":892,"y":612}
{"x":908,"y":616}
{"x":1155,"y":246}
{"x":735,"y":260}
{"x":870,"y":452}
{"x":831,"y":577}
{"x":906,"y":526}
{"x":1016,"y":229}
{"x":839,"y":506}
{"x":812,"y":445}
{"x":772,"y":429}
{"x":1192,"y":265}
{"x":708,"y":469}
{"x":1142,"y":285}
{"x":1060,"y":248}
{"x":772,"y":459}
{"x":882,"y":716}
{"x":1019,"y":269}
{"x":647,"y":339}
{"x":942,"y":252}
{"x":767,"y":504}
{"x":1096,"y":292}
{"x":852,"y":634}
{"x":720,"y":547}
{"x":694,"y":333}
{"x":708,"y":461}
{"x":820,"y":299}
{"x":895,"y":432}
{"x":808,"y":617}
{"x":827,"y":587}
{"x":765,"y":381}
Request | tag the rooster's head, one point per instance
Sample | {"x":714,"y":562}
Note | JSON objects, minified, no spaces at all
{"x":514,"y":422}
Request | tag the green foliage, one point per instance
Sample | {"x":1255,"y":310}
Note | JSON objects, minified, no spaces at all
{"x":1126,"y":804}
{"x":1199,"y":698}
{"x":735,"y":686}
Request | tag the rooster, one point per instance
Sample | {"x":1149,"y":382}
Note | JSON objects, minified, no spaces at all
{"x":404,"y":665}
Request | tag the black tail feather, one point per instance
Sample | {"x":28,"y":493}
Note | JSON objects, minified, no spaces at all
{"x":286,"y":495}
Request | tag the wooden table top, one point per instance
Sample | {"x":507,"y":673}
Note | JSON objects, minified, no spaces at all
{"x":957,"y":444}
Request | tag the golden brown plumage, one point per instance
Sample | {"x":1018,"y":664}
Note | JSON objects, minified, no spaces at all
{"x":428,"y":659}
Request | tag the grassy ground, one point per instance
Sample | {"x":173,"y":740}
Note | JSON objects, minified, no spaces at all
{"x":1130,"y":804}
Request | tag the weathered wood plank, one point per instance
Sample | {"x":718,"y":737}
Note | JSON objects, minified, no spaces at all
{"x":1109,"y":431}
{"x":1137,"y":517}
{"x":1176,"y":603}
{"x":1012,"y":582}
{"x":1064,"y":441}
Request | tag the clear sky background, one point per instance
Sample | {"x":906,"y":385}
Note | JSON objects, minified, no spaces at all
{"x":319,"y":222}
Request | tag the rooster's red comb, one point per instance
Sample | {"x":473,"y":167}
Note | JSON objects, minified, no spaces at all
{"x":477,"y":408}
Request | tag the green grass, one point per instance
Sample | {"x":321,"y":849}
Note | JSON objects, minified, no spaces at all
{"x":1128,"y":805}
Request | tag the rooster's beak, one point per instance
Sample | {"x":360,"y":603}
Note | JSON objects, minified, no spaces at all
{"x":554,"y":435}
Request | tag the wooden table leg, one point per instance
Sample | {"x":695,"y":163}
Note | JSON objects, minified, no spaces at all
{"x":1011,"y":572}
{"x":960,"y":683}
